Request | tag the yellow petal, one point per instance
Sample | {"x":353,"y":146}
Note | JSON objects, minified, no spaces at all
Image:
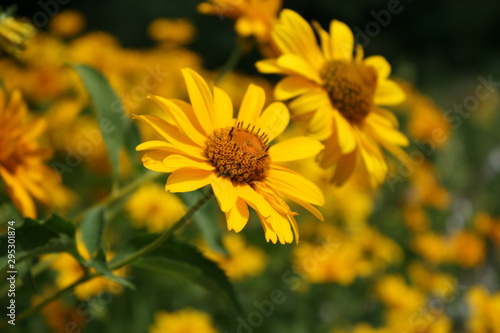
{"x":223,"y":108}
{"x":268,"y":229}
{"x":312,"y":100}
{"x":270,"y":66}
{"x":281,"y":227}
{"x":176,"y":162}
{"x":296,"y":64}
{"x":388,"y":93}
{"x":188,"y":110}
{"x":326,"y":44}
{"x":171,"y":149}
{"x":321,"y":124}
{"x":387,"y":115}
{"x":295,"y":149}
{"x":252,"y":104}
{"x":225,"y":193}
{"x":292,"y":86}
{"x":381,"y":65}
{"x":379,"y":130}
{"x":255,"y":200}
{"x":180,"y":118}
{"x":347,"y":140}
{"x":18,"y":194}
{"x":345,"y":168}
{"x":332,"y":152}
{"x":187,"y":180}
{"x":237,"y":217}
{"x":153,"y":160}
{"x":201,"y":98}
{"x":342,"y":40}
{"x":274,"y":120}
{"x":292,"y":184}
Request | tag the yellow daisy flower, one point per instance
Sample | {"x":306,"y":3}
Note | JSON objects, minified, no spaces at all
{"x":14,"y":33}
{"x":204,"y":145}
{"x":338,"y":93}
{"x":183,"y":321}
{"x":22,"y":159}
{"x":253,"y":17}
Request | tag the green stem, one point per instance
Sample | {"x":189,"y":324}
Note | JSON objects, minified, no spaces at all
{"x":145,"y":250}
{"x":231,"y":62}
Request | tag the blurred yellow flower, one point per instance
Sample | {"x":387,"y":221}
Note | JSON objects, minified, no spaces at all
{"x":339,"y":94}
{"x":415,"y":217}
{"x":425,"y":188}
{"x":69,"y":270}
{"x":183,"y":321}
{"x":427,"y":280}
{"x":67,"y":23}
{"x":14,"y":33}
{"x":396,"y":294}
{"x":483,"y":310}
{"x":467,"y":249}
{"x":432,"y":247}
{"x":204,"y":145}
{"x":253,"y":17}
{"x":174,"y":31}
{"x":22,"y":159}
{"x":488,"y":226}
{"x":153,"y":208}
{"x":243,"y":261}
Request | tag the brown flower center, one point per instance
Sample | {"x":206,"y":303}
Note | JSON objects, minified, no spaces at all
{"x":351,"y":87}
{"x":238,"y":153}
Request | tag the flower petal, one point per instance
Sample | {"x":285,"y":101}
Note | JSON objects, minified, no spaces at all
{"x":225,"y":192}
{"x":345,"y":168}
{"x":292,"y":184}
{"x":274,"y":120}
{"x":380,"y":130}
{"x":223,"y":108}
{"x":389,"y":92}
{"x":187,"y":180}
{"x":381,"y":65}
{"x":345,"y":134}
{"x":342,"y":40}
{"x":18,"y":194}
{"x":201,"y":98}
{"x":321,"y":123}
{"x":295,"y":149}
{"x":180,"y":118}
{"x":171,"y":149}
{"x":175,"y":162}
{"x":326,"y":44}
{"x":292,"y":86}
{"x":296,"y":64}
{"x":312,"y":100}
{"x":255,"y":200}
{"x":252,"y":104}
{"x":237,"y":217}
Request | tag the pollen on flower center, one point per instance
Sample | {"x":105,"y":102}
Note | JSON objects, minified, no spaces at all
{"x":351,"y":87}
{"x":239,"y":153}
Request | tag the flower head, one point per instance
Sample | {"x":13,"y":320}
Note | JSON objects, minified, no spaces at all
{"x":22,"y":159}
{"x":338,"y":93}
{"x":183,"y":321}
{"x":13,"y":33}
{"x":204,"y":145}
{"x":253,"y":17}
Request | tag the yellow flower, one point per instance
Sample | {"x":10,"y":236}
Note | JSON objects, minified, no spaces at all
{"x":484,"y":310}
{"x":22,"y":159}
{"x":339,"y":94}
{"x":69,"y":270}
{"x":488,"y":226}
{"x":425,"y":188}
{"x":468,"y":250}
{"x":67,"y":23}
{"x":253,"y":17}
{"x":203,"y":145}
{"x":431,"y":247}
{"x":151,"y":207}
{"x":396,"y":294}
{"x":175,"y":31}
{"x":14,"y":33}
{"x":243,"y":260}
{"x":183,"y":321}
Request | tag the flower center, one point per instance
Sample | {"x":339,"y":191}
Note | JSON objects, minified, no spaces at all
{"x":351,"y":87}
{"x":239,"y":153}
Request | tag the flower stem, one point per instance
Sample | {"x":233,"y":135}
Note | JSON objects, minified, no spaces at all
{"x":145,"y":250}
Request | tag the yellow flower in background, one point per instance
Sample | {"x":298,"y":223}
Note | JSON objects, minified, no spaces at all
{"x":67,"y":23}
{"x":483,"y":310}
{"x":393,"y":291}
{"x":253,"y":17}
{"x":431,"y":280}
{"x":69,"y":270}
{"x":338,"y":94}
{"x":172,"y":31}
{"x":488,"y":226}
{"x":467,"y":249}
{"x":14,"y":33}
{"x":432,"y":247}
{"x":22,"y":159}
{"x":204,"y":145}
{"x":243,"y":261}
{"x":153,"y":208}
{"x":183,"y":321}
{"x":425,"y":188}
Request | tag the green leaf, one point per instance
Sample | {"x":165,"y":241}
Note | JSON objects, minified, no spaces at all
{"x":185,"y":261}
{"x":92,"y":227}
{"x":109,"y":112}
{"x":100,"y":264}
{"x":35,"y":238}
